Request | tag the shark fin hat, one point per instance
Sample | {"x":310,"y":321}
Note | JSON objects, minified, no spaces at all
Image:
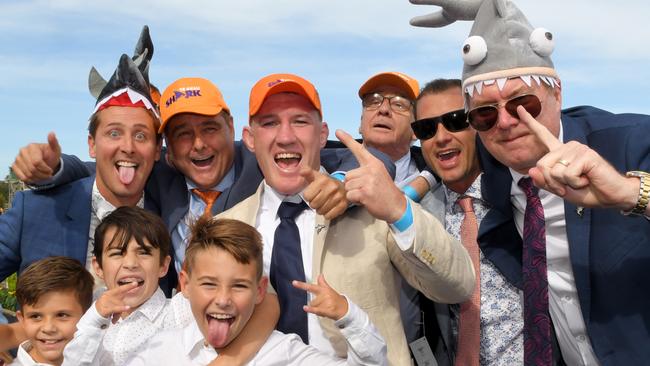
{"x":129,"y":84}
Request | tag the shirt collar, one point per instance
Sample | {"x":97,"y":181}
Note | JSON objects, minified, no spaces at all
{"x":101,"y":207}
{"x":193,"y":340}
{"x":402,"y":166}
{"x":473,"y":191}
{"x":24,"y":358}
{"x":226,"y":182}
{"x":152,"y":308}
{"x":271,"y":199}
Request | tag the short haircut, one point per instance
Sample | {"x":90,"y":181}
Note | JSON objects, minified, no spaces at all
{"x":55,"y":274}
{"x":94,"y":121}
{"x":237,"y":238}
{"x":132,"y":222}
{"x":436,"y":86}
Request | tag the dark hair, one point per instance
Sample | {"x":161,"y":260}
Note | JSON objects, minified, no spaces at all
{"x":132,"y":222}
{"x":239,"y":239}
{"x":55,"y":274}
{"x":94,"y":121}
{"x":436,"y":86}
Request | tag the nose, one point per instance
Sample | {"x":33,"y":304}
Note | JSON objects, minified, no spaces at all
{"x":223,"y":298}
{"x":198,"y":143}
{"x":286,"y":135}
{"x":127,"y":145}
{"x":504,"y":119}
{"x":384,"y":107}
{"x":442,"y":136}
{"x":49,"y":325}
{"x":130,"y":259}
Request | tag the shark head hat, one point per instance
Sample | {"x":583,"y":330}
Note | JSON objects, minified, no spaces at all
{"x":129,"y":84}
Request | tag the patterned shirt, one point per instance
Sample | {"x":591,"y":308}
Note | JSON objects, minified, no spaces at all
{"x":502,"y":324}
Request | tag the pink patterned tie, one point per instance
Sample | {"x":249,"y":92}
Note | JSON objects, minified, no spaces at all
{"x":469,"y":332}
{"x":537,"y":323}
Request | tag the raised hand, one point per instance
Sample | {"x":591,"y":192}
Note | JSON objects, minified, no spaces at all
{"x":324,"y":194}
{"x":577,"y":173}
{"x":326,"y":302}
{"x":38,"y":161}
{"x":452,"y":10}
{"x":111,"y":302}
{"x":370,"y":185}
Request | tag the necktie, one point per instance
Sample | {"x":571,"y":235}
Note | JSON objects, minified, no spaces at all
{"x":208,"y":197}
{"x":286,"y":266}
{"x":469,"y":330}
{"x":537,"y":323}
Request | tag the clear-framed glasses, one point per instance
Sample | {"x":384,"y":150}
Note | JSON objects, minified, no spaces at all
{"x":397,"y":103}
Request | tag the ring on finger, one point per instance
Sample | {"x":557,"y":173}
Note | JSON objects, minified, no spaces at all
{"x":564,"y":162}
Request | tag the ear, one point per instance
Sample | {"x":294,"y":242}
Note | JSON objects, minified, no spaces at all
{"x":324,"y":133}
{"x":19,"y":316}
{"x":97,"y":268}
{"x":184,"y":280}
{"x":231,"y":125}
{"x":261,"y":289}
{"x":158,"y":149}
{"x":248,"y":138}
{"x":91,"y":147}
{"x":164,"y":267}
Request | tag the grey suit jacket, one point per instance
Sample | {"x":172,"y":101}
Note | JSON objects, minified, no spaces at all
{"x":360,"y":258}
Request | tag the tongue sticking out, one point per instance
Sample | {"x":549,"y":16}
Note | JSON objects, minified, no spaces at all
{"x":218,"y":332}
{"x":126,"y":174}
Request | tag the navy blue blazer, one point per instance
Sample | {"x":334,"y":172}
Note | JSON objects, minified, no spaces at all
{"x":610,"y":253}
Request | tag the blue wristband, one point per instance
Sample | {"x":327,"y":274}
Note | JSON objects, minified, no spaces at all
{"x":338,"y":176}
{"x":406,"y":220}
{"x":411,"y":193}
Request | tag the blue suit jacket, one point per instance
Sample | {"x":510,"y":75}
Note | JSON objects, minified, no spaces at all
{"x":40,"y":225}
{"x":610,"y":253}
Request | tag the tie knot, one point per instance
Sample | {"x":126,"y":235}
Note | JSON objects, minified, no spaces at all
{"x":206,"y":196}
{"x":465,"y":204}
{"x":289,"y":210}
{"x":526,"y":184}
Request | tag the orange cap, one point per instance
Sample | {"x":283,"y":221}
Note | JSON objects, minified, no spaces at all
{"x":190,"y":95}
{"x":403,"y":82}
{"x":281,"y":83}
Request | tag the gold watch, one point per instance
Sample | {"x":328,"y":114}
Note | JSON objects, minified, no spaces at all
{"x":644,"y":193}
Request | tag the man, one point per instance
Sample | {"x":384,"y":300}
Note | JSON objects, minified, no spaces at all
{"x":358,"y":252}
{"x":573,"y":258}
{"x":487,"y":329}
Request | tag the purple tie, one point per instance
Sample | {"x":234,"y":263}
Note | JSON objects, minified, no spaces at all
{"x":537,"y":323}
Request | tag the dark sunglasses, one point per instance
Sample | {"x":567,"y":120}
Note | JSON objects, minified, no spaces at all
{"x":453,"y":121}
{"x":485,"y":117}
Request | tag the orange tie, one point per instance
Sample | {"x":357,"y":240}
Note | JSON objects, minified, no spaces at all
{"x":469,"y":332}
{"x":208,"y":197}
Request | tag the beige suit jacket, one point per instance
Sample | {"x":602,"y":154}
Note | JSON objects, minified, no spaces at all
{"x":359,"y":258}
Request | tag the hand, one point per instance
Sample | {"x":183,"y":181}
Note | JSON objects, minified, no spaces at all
{"x":370,"y":185}
{"x":326,"y":302}
{"x":36,"y":162}
{"x":111,"y":302}
{"x":577,"y":173}
{"x":324,"y":194}
{"x":451,"y":11}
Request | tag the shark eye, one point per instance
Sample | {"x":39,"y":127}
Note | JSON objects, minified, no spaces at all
{"x":474,"y":50}
{"x":541,"y":41}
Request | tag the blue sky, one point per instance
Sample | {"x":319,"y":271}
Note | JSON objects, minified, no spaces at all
{"x":48,"y":47}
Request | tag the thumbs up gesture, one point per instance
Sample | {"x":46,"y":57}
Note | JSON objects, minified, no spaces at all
{"x":370,"y":185}
{"x":324,"y":194}
{"x":36,"y":162}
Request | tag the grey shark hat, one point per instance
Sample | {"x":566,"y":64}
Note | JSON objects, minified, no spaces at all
{"x":129,"y":84}
{"x":502,"y":44}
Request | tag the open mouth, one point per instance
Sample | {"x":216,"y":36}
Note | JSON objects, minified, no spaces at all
{"x":218,"y":328}
{"x":287,"y":160}
{"x":126,"y":171}
{"x":48,"y":343}
{"x":448,"y":155}
{"x":382,"y":126}
{"x":203,"y":162}
{"x":128,"y":280}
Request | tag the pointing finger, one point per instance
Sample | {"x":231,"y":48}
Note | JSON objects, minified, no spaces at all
{"x":54,"y":143}
{"x":359,"y":152}
{"x":538,"y":129}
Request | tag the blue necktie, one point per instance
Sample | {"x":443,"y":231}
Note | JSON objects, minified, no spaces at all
{"x":286,"y":266}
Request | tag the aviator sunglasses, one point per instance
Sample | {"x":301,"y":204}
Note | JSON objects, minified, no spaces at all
{"x":485,"y":117}
{"x":453,"y":121}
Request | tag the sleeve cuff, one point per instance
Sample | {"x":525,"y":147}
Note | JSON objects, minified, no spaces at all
{"x":349,"y":317}
{"x":406,"y":220}
{"x":340,"y":176}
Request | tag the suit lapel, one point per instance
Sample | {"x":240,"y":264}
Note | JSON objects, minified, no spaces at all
{"x":578,"y":228}
{"x":178,"y":193}
{"x":77,"y":228}
{"x":320,"y":233}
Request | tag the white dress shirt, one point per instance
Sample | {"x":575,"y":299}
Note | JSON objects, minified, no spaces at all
{"x":405,"y":170}
{"x":99,"y":342}
{"x":564,"y":305}
{"x":266,"y":223}
{"x":24,"y":359}
{"x":187,"y":346}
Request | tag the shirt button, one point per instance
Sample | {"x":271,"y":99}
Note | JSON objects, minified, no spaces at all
{"x":567,"y":298}
{"x":581,"y":338}
{"x":103,"y":326}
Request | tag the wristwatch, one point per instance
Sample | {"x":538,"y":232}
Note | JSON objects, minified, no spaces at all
{"x":644,"y":193}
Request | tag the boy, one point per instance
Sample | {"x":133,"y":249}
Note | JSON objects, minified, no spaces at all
{"x":53,"y":294}
{"x":223,"y":281}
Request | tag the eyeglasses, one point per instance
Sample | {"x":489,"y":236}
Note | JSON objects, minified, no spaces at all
{"x":485,"y":117}
{"x":454,"y":121}
{"x":397,"y":103}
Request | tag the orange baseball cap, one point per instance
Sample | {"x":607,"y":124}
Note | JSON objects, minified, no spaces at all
{"x":190,"y":95}
{"x":282,"y":83}
{"x":403,"y":82}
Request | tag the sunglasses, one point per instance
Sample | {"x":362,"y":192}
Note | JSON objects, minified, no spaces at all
{"x":453,"y":121}
{"x":485,"y":117}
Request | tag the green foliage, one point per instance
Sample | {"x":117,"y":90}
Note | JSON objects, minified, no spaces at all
{"x":8,"y":293}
